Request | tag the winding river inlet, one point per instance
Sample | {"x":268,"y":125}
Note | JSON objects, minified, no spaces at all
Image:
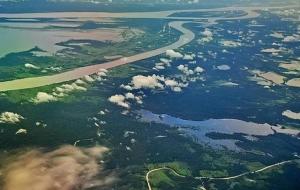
{"x":186,"y":37}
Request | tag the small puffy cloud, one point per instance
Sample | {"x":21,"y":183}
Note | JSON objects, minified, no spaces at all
{"x":171,"y":83}
{"x":198,"y":70}
{"x":10,"y":117}
{"x":62,"y":91}
{"x":277,"y":35}
{"x":87,"y":78}
{"x":162,"y":64}
{"x":56,"y":69}
{"x":43,"y":97}
{"x":119,"y":100}
{"x":40,"y":124}
{"x":229,"y":43}
{"x":181,"y":67}
{"x":207,"y":36}
{"x":207,"y":33}
{"x":271,"y":50}
{"x":150,"y":82}
{"x":31,"y":66}
{"x":228,"y":84}
{"x":21,"y":131}
{"x":295,"y":82}
{"x":293,"y":38}
{"x":101,"y":74}
{"x":129,"y":95}
{"x":159,"y":67}
{"x":292,"y":115}
{"x":80,"y":82}
{"x":223,"y":67}
{"x":65,"y":88}
{"x":139,"y":99}
{"x":177,"y":89}
{"x":165,"y":61}
{"x":102,"y":112}
{"x":126,"y":87}
{"x":188,"y":57}
{"x":185,"y":70}
{"x":174,"y":85}
{"x":103,"y":70}
{"x":173,"y":54}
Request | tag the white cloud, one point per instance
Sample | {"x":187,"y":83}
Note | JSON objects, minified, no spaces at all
{"x":129,"y":95}
{"x":177,"y":89}
{"x":10,"y":117}
{"x":271,"y":50}
{"x":80,"y":82}
{"x":181,"y":67}
{"x":102,"y":112}
{"x":290,"y":114}
{"x":65,"y":88}
{"x":294,"y":38}
{"x":185,"y":70}
{"x":165,"y":61}
{"x":229,"y":43}
{"x":199,"y":70}
{"x":139,"y":99}
{"x":174,"y":85}
{"x":171,"y":83}
{"x":88,"y":78}
{"x":119,"y":100}
{"x":207,"y":33}
{"x":188,"y":57}
{"x":173,"y":54}
{"x":162,"y":64}
{"x":31,"y":66}
{"x":101,"y":73}
{"x":159,"y":67}
{"x":40,"y":124}
{"x":151,"y":82}
{"x":56,"y":69}
{"x":224,"y":83}
{"x":294,"y":82}
{"x":65,"y":168}
{"x":223,"y":67}
{"x":21,"y":131}
{"x":277,"y":35}
{"x":103,"y":70}
{"x":126,"y":87}
{"x":43,"y":97}
{"x":207,"y":36}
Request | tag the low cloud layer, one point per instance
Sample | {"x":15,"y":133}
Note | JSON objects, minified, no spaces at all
{"x":66,"y":168}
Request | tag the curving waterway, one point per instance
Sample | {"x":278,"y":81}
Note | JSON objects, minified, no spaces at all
{"x":26,"y":83}
{"x":186,"y":37}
